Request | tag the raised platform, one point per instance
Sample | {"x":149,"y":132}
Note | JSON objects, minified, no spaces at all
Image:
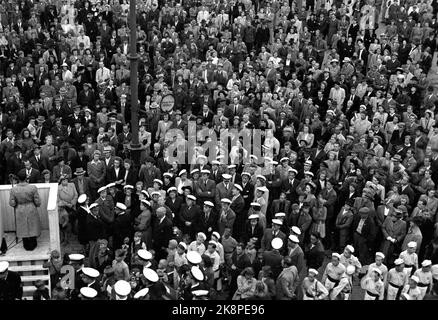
{"x":16,"y":252}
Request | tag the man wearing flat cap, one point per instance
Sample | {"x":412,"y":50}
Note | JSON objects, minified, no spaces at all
{"x":364,"y":234}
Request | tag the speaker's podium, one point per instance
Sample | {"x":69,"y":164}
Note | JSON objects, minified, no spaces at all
{"x":29,"y":264}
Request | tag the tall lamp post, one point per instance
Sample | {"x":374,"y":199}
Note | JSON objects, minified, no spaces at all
{"x":135,"y":147}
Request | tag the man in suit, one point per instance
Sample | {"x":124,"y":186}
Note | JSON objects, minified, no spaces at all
{"x":216,"y":172}
{"x":149,"y":172}
{"x":238,"y":206}
{"x":234,"y":109}
{"x":406,"y":189}
{"x":80,"y":160}
{"x":178,"y":122}
{"x":281,"y":205}
{"x":205,"y":188}
{"x":162,"y":231}
{"x":364,"y":230}
{"x":189,"y":216}
{"x":223,"y":189}
{"x":271,"y":233}
{"x":253,"y":230}
{"x":81,"y":182}
{"x":116,"y":172}
{"x":32,"y":175}
{"x":208,"y":220}
{"x":343,"y":224}
{"x":38,"y":161}
{"x":289,"y":186}
{"x":207,"y":115}
{"x":247,"y":189}
{"x":362,"y":53}
{"x":130,"y":174}
{"x":15,"y":162}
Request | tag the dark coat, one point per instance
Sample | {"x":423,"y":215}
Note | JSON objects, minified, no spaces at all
{"x":11,"y":288}
{"x":161,"y":234}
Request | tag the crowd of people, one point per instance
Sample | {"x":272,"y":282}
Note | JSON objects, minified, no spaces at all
{"x":340,"y":189}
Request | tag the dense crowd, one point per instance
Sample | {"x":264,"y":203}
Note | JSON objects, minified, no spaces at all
{"x":340,"y":187}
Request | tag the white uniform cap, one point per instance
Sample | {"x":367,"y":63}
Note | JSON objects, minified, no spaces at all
{"x":191,"y":197}
{"x":76,"y":257}
{"x":398,"y":261}
{"x":245,"y":173}
{"x":122,"y":288}
{"x":259,"y":176}
{"x":90,"y":272}
{"x":194,"y":257}
{"x":197,"y":273}
{"x":182,"y":172}
{"x":150,"y":274}
{"x":194,"y":171}
{"x":168,"y":174}
{"x":253,"y":216}
{"x":93,"y":205}
{"x":350,"y":248}
{"x":183,"y":244}
{"x":141,"y":293}
{"x":350,"y":269}
{"x":412,"y":244}
{"x":415,"y":278}
{"x":280,"y":214}
{"x":200,"y":293}
{"x":145,"y":193}
{"x":145,"y":202}
{"x":314,"y":271}
{"x":212,"y":242}
{"x":205,"y":171}
{"x":225,"y":200}
{"x":294,"y":238}
{"x":226,"y":176}
{"x":4,"y":265}
{"x":158,"y":181}
{"x":215,"y":162}
{"x":128,"y":186}
{"x":255,"y":204}
{"x":144,"y":254}
{"x":262,"y":189}
{"x":102,"y":189}
{"x":337,"y":255}
{"x":380,"y":254}
{"x":171,"y":189}
{"x":121,"y":206}
{"x":377,"y":270}
{"x":284,"y":159}
{"x":231,"y":166}
{"x":208,"y":204}
{"x":216,"y":234}
{"x":308,"y":173}
{"x":296,"y":230}
{"x":238,"y":187}
{"x":82,"y":198}
{"x":155,"y":193}
{"x":426,"y":263}
{"x":277,"y":243}
{"x":110,"y":185}
{"x":277,"y":221}
{"x":88,"y":292}
{"x":292,"y":170}
{"x":202,"y":235}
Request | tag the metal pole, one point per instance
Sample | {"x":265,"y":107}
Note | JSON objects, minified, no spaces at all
{"x":133,"y":57}
{"x":135,"y":147}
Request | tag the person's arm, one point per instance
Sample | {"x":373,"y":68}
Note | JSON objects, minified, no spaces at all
{"x":285,"y":288}
{"x":36,"y":198}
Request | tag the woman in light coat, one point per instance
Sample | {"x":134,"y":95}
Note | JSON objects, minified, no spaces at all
{"x":67,"y":199}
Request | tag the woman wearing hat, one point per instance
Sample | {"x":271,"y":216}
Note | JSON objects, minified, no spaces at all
{"x":67,"y":198}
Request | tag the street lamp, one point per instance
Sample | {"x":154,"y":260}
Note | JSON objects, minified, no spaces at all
{"x":135,"y":147}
